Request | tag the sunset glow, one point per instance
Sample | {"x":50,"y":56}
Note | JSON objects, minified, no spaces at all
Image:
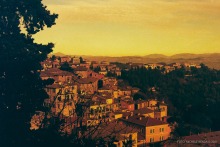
{"x":128,"y":27}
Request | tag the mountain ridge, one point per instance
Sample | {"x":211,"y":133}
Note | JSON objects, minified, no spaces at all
{"x":210,"y":59}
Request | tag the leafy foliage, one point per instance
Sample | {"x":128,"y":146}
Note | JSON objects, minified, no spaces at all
{"x":21,"y":87}
{"x":66,"y":67}
{"x":193,"y":95}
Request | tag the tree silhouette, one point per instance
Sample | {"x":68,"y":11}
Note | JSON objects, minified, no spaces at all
{"x":53,"y":58}
{"x":21,"y":88}
{"x":81,"y":60}
{"x":66,"y":67}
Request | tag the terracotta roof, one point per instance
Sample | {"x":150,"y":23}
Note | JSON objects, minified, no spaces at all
{"x":107,"y":87}
{"x":86,"y":80}
{"x":94,"y":74}
{"x":113,"y":129}
{"x":128,"y":101}
{"x":55,"y":72}
{"x":104,"y":95}
{"x":143,"y":111}
{"x":80,"y":68}
{"x":144,"y":121}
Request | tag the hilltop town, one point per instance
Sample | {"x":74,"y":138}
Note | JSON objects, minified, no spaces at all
{"x":91,"y":95}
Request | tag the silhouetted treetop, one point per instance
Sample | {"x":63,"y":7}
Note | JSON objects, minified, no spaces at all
{"x":21,"y":88}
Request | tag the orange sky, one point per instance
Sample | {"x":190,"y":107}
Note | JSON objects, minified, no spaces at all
{"x":134,"y":27}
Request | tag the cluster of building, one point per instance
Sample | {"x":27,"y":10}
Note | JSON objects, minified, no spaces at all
{"x":166,"y":68}
{"x":85,"y":98}
{"x":82,"y":66}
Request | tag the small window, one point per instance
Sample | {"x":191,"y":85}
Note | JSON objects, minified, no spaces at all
{"x":151,"y":130}
{"x":151,"y":139}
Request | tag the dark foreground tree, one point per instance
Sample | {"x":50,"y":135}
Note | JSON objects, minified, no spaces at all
{"x":21,"y":88}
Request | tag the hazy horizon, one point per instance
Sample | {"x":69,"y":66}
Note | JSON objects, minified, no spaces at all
{"x":128,"y":28}
{"x":135,"y":55}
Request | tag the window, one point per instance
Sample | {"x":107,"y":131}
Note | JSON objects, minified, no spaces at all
{"x":151,"y":139}
{"x":161,"y":129}
{"x":92,"y":111}
{"x":161,"y":138}
{"x":54,"y":90}
{"x":151,"y":130}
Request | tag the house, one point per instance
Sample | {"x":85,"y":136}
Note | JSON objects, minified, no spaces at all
{"x":62,"y":99}
{"x":105,"y":62}
{"x":109,"y":81}
{"x":151,"y":129}
{"x":47,"y":64}
{"x":106,"y":88}
{"x":87,"y":85}
{"x":144,"y":112}
{"x":65,"y":59}
{"x":121,"y":133}
{"x":139,"y":104}
{"x":86,"y":64}
{"x":93,"y":74}
{"x":56,"y":74}
{"x":103,"y":72}
{"x":76,"y":60}
{"x":160,"y":108}
{"x":127,"y":104}
{"x":124,"y":91}
{"x":81,"y":71}
{"x":94,"y":64}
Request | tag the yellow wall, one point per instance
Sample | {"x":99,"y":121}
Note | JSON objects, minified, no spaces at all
{"x":152,"y":102}
{"x":109,"y":101}
{"x":157,"y":134}
{"x":117,"y":116}
{"x":164,"y":110}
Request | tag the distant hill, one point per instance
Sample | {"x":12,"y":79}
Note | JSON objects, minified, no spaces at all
{"x":211,"y":60}
{"x":156,"y":56}
{"x":59,"y":54}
